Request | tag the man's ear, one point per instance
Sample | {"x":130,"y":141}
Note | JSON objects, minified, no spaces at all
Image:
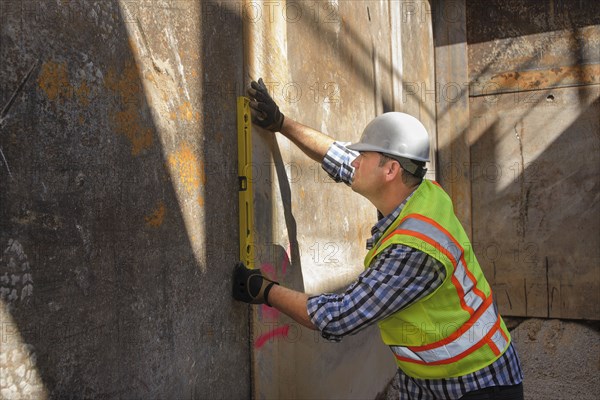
{"x":393,"y":170}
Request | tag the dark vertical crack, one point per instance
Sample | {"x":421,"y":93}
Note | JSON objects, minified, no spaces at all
{"x":524,"y":197}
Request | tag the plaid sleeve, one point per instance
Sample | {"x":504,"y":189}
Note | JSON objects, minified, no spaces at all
{"x":337,"y":162}
{"x":399,"y":277}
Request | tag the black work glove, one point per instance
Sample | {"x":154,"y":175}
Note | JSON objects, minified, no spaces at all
{"x":250,"y":285}
{"x":265,"y":112}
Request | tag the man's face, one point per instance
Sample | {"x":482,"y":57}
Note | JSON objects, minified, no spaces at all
{"x":368,"y":175}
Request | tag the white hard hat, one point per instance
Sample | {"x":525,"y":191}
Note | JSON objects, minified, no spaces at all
{"x":395,"y":134}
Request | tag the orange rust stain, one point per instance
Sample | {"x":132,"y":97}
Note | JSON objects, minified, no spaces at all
{"x":157,"y":217}
{"x":128,"y":120}
{"x":188,"y":170}
{"x":133,"y":46}
{"x":186,"y":111}
{"x":150,"y":77}
{"x":54,"y":81}
{"x":566,"y":75}
{"x":83,"y":93}
{"x":129,"y":124}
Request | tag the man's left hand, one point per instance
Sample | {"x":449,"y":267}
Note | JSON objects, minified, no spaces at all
{"x":250,"y":285}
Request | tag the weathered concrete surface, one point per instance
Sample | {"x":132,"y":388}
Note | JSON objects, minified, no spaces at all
{"x":559,"y":358}
{"x":118,"y":223}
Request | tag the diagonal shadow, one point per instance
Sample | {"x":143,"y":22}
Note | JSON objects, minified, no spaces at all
{"x":104,"y":292}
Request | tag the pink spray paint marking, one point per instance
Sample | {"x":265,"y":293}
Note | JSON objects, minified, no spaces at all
{"x":269,"y":313}
{"x":269,"y":270}
{"x":281,"y":331}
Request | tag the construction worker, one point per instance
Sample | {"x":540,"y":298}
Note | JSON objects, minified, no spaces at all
{"x":422,"y":284}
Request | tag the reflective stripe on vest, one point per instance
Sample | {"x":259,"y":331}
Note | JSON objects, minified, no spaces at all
{"x":431,"y":232}
{"x":478,"y":331}
{"x":483,"y":327}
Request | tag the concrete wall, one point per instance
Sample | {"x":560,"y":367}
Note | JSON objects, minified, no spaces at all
{"x":118,"y":193}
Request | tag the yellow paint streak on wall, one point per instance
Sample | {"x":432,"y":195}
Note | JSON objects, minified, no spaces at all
{"x":128,"y":121}
{"x":157,"y":217}
{"x":188,"y":170}
{"x":54,"y":81}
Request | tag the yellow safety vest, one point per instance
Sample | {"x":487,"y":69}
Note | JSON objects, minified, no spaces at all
{"x":456,"y":329}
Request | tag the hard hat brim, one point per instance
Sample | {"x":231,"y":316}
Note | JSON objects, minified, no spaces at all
{"x":365,"y":147}
{"x":369,"y":147}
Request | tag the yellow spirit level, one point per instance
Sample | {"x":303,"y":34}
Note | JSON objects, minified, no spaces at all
{"x":246,"y":203}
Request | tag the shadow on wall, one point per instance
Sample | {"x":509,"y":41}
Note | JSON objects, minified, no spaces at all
{"x":534,"y":175}
{"x":534,"y":157}
{"x":104,"y":294}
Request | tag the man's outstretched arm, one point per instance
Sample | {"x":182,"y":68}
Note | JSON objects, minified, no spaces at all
{"x":312,"y":142}
{"x":266,"y":114}
{"x":291,"y":303}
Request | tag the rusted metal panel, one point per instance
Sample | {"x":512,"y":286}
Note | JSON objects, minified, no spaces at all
{"x":515,"y":81}
{"x":534,"y":154}
{"x":532,"y":45}
{"x":535,"y":160}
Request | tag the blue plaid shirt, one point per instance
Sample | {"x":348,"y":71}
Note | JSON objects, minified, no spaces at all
{"x":397,"y":278}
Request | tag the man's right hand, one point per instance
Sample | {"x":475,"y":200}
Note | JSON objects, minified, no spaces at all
{"x":265,"y":112}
